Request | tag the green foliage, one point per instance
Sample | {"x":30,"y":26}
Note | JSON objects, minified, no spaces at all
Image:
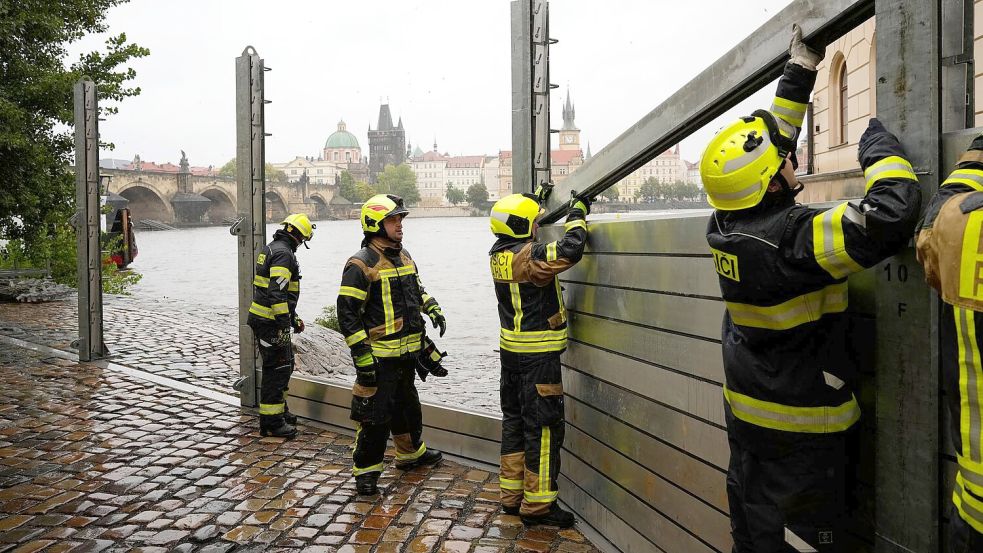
{"x":399,"y":180}
{"x":454,"y":195}
{"x":37,"y":108}
{"x":477,"y":195}
{"x":650,"y":191}
{"x":363,"y":191}
{"x":329,"y":318}
{"x":272,"y":173}
{"x":346,"y":187}
{"x":653,"y":190}
{"x":611,"y":194}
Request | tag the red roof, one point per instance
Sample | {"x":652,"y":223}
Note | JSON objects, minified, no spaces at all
{"x":169,"y":167}
{"x":430,"y":156}
{"x":564,"y":157}
{"x":465,"y":161}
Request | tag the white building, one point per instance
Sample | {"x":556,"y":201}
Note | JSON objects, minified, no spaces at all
{"x":463,"y":171}
{"x":318,"y":171}
{"x":667,"y":168}
{"x":431,"y":177}
{"x":491,"y":175}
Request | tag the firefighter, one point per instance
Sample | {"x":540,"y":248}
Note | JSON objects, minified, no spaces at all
{"x":380,"y":307}
{"x":272,"y":315}
{"x":782,"y":267}
{"x":533,"y":334}
{"x":950,"y":246}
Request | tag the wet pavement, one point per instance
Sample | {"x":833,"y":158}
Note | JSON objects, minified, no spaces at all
{"x":99,"y":459}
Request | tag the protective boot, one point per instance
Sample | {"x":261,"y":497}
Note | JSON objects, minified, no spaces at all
{"x":555,"y":517}
{"x":275,"y":426}
{"x":289,"y":417}
{"x":510,"y":510}
{"x":429,"y":457}
{"x":367,"y":484}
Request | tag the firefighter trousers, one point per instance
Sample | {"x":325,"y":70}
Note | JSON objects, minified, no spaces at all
{"x":532,"y":430}
{"x":393,"y":405}
{"x":787,"y":494}
{"x":962,"y":537}
{"x":278,"y":364}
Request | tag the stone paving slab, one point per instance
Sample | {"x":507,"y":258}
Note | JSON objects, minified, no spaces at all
{"x":94,"y":459}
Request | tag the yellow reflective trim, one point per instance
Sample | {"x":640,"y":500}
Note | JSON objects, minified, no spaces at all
{"x":261,"y":311}
{"x":533,"y":335}
{"x":501,"y":265}
{"x":294,"y":286}
{"x":397,"y":347}
{"x":544,"y":461}
{"x":829,"y":243}
{"x":797,"y":311}
{"x":356,"y":338}
{"x":278,"y":271}
{"x":813,"y":420}
{"x":270,"y":408}
{"x":971,"y":262}
{"x":551,"y":251}
{"x":533,"y":497}
{"x":970,"y":509}
{"x":559,"y":299}
{"x":579,"y":223}
{"x":972,"y":178}
{"x":970,"y":385}
{"x":411,"y":456}
{"x":261,"y":281}
{"x":972,"y":475}
{"x":791,"y":112}
{"x":387,"y":307}
{"x":398,"y":271}
{"x":353,"y":292}
{"x":516,"y":305}
{"x":538,"y":347}
{"x":509,"y":484}
{"x":280,"y":308}
{"x":891,"y":167}
{"x":357,"y":471}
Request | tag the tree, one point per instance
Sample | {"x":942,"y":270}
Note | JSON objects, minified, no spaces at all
{"x":272,"y":173}
{"x":454,"y":195}
{"x":363,"y":191}
{"x":477,"y":195}
{"x":651,"y":190}
{"x":346,"y":187}
{"x":611,"y":194}
{"x":399,"y":180}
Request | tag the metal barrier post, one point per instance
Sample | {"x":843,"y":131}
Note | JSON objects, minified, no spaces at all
{"x":530,"y":95}
{"x":88,"y":231}
{"x":250,"y":226}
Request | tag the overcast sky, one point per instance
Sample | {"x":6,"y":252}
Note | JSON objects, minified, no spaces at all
{"x":443,"y":65}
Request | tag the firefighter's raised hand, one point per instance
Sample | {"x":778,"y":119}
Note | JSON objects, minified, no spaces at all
{"x":801,"y":54}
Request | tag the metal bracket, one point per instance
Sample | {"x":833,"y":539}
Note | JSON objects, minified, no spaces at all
{"x":958,"y":59}
{"x":236,"y":226}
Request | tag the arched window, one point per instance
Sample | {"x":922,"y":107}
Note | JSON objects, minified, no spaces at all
{"x":839,"y":118}
{"x":844,"y":100}
{"x":334,"y":156}
{"x":873,"y":76}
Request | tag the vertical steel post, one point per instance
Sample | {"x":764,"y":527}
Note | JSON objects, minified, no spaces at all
{"x":522,"y":130}
{"x":907,"y":407}
{"x":88,"y":232}
{"x":958,"y":110}
{"x":541,"y":87}
{"x":250,"y":226}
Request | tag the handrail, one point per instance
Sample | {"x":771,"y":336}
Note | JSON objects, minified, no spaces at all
{"x":745,"y":69}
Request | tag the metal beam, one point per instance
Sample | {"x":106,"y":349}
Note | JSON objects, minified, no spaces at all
{"x":746,"y":68}
{"x":522,"y":153}
{"x":250,"y":226}
{"x":88,"y":229}
{"x":907,"y":479}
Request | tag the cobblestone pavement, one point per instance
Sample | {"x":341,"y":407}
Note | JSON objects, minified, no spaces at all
{"x":95,"y":459}
{"x":199,"y":344}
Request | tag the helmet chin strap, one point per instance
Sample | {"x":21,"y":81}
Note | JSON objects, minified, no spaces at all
{"x":786,"y":189}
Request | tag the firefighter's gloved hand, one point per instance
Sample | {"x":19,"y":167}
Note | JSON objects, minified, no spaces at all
{"x":543,"y":192}
{"x":877,"y":134}
{"x":365,"y":369}
{"x":282,"y":337}
{"x":582,"y":204}
{"x":298,"y":325}
{"x":801,"y":54}
{"x":437,"y":318}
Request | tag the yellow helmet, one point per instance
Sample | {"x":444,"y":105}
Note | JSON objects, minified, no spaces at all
{"x":377,"y":208}
{"x":514,"y":216}
{"x":302,"y":223}
{"x":742,"y":159}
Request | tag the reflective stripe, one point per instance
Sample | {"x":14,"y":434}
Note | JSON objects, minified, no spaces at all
{"x":352,"y":292}
{"x":261,"y":311}
{"x":398,"y":271}
{"x":270,"y":408}
{"x":551,"y":251}
{"x":280,"y":308}
{"x":747,"y":159}
{"x":579,"y":223}
{"x":791,"y":112}
{"x":397,"y":347}
{"x":970,"y":508}
{"x":358,"y":471}
{"x":280,"y":272}
{"x":970,"y":177}
{"x":971,"y":259}
{"x":261,"y":281}
{"x":891,"y":167}
{"x":533,"y":335}
{"x":537,"y":347}
{"x":559,"y":299}
{"x":411,"y":456}
{"x":972,"y":475}
{"x":829,"y":243}
{"x":387,"y":307}
{"x":544,"y":463}
{"x":798,"y":543}
{"x":356,"y":338}
{"x":813,"y":420}
{"x":294,"y":286}
{"x":509,"y":484}
{"x":797,"y":311}
{"x":969,"y":384}
{"x":740,"y":194}
{"x":544,"y":497}
{"x":516,"y":306}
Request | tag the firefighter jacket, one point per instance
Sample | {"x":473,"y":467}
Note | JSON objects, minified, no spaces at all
{"x":276,"y":286}
{"x":530,"y":301}
{"x":950,"y":247}
{"x":381,"y":302}
{"x":782,"y":269}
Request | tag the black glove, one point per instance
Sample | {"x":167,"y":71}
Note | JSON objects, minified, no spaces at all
{"x":366,"y":369}
{"x":877,"y":134}
{"x":583,"y":204}
{"x":543,"y":192}
{"x":297,"y":324}
{"x":282,"y":337}
{"x":428,"y":361}
{"x":437,"y":318}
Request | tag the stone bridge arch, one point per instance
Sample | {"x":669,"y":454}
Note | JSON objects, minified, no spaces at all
{"x":320,"y":207}
{"x":223,"y":206}
{"x":276,"y":206}
{"x":147,"y":202}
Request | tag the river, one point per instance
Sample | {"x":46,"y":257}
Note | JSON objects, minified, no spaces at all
{"x":199,"y":266}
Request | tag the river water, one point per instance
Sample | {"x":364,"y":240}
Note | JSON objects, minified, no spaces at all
{"x":199,"y":266}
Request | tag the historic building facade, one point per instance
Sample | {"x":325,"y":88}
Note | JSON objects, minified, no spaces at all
{"x":387,"y":143}
{"x":431,"y":176}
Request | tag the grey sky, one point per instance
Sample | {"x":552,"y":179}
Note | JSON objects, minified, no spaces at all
{"x":443,"y":65}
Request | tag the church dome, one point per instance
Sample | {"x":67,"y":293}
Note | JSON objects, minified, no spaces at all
{"x":341,"y":138}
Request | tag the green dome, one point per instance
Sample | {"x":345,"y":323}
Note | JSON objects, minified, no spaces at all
{"x":341,"y":138}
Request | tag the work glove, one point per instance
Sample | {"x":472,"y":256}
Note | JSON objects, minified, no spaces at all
{"x":801,"y":54}
{"x":583,"y":204}
{"x":282,"y":337}
{"x":437,"y":318}
{"x":298,"y":325}
{"x":543,"y":192}
{"x":876,"y":134}
{"x":428,"y":361}
{"x":365,"y":369}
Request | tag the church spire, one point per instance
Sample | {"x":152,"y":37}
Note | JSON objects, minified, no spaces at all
{"x":569,"y":114}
